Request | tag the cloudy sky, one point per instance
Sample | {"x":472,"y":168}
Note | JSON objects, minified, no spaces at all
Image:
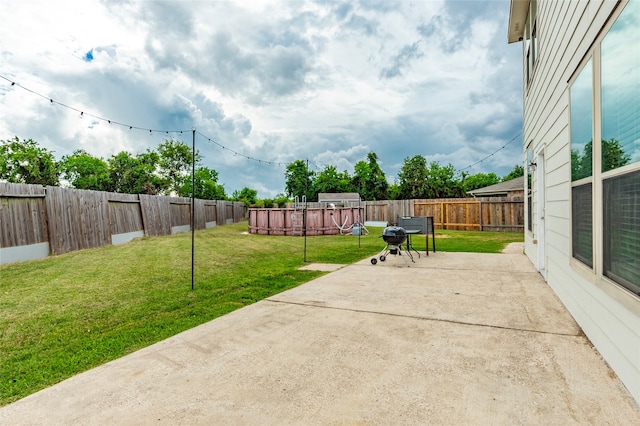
{"x":275,"y":81}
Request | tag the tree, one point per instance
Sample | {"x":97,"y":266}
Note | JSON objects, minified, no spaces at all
{"x":281,"y":199}
{"x":413,"y":178}
{"x":479,"y":180}
{"x":369,"y":180}
{"x":26,"y":162}
{"x":442,"y":181}
{"x":175,"y":163}
{"x":84,"y":171}
{"x":377,"y":185}
{"x":613,"y":156}
{"x":417,"y":180}
{"x":394,"y":191}
{"x":361,"y":174}
{"x":329,"y":180}
{"x":518,"y":170}
{"x":299,"y":181}
{"x":575,"y":165}
{"x":206,"y":185}
{"x":135,"y":174}
{"x":247,"y":195}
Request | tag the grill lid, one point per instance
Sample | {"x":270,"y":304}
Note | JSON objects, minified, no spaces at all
{"x":394,"y":235}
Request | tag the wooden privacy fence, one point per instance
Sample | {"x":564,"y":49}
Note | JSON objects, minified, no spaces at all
{"x":36,"y":221}
{"x":499,"y":214}
{"x":474,"y":214}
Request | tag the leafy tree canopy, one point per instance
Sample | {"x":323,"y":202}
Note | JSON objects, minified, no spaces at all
{"x":83,"y":171}
{"x":413,"y":178}
{"x":27,"y":162}
{"x":247,"y":195}
{"x":175,"y":163}
{"x":479,"y":180}
{"x":135,"y":174}
{"x":299,"y":181}
{"x":613,"y":156}
{"x":442,"y":181}
{"x":329,"y":180}
{"x":206,"y":185}
{"x":376,"y":185}
{"x":518,"y":170}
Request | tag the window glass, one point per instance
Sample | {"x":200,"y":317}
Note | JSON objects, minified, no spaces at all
{"x":621,"y":90}
{"x":582,"y":218}
{"x":529,"y":201}
{"x":581,"y":119}
{"x":533,"y":13}
{"x":621,"y":231}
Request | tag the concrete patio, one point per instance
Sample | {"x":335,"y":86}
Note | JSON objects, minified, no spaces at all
{"x":455,"y":338}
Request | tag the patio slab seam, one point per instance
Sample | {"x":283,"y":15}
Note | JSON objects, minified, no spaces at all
{"x":424,"y":318}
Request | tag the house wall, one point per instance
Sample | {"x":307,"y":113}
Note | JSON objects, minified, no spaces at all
{"x":608,"y":314}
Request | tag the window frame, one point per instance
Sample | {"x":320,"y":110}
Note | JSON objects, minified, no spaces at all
{"x":529,"y":182}
{"x":597,"y":273}
{"x":587,"y":61}
{"x":530,"y":45}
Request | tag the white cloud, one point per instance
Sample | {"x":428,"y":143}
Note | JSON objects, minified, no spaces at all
{"x":273,"y":80}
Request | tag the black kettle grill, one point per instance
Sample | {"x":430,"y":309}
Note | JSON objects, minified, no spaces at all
{"x":394,"y":236}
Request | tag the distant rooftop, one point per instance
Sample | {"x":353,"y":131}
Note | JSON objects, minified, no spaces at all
{"x":337,"y":197}
{"x":501,"y":188}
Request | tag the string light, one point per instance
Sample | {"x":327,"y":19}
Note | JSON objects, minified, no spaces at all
{"x":82,"y":113}
{"x":131,"y":127}
{"x":493,"y":153}
{"x":236,"y":153}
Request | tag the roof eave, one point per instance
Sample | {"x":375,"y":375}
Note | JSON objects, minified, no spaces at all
{"x":517,"y":16}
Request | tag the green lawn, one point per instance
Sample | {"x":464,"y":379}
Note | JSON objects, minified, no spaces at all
{"x":65,"y":314}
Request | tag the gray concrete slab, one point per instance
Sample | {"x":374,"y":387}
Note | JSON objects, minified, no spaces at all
{"x":325,"y":267}
{"x":454,"y":338}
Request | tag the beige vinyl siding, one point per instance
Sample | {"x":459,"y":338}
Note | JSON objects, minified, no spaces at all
{"x":609,"y":316}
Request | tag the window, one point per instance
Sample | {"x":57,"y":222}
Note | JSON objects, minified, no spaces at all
{"x":605,"y":153}
{"x":530,"y":42}
{"x":533,"y":16}
{"x":620,"y":112}
{"x":581,"y":126}
{"x":621,"y":91}
{"x":529,"y":200}
{"x":621,"y":231}
{"x":582,"y":223}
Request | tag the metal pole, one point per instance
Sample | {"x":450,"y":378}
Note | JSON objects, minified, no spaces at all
{"x":193,"y":210}
{"x":304,"y":211}
{"x":360,"y":224}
